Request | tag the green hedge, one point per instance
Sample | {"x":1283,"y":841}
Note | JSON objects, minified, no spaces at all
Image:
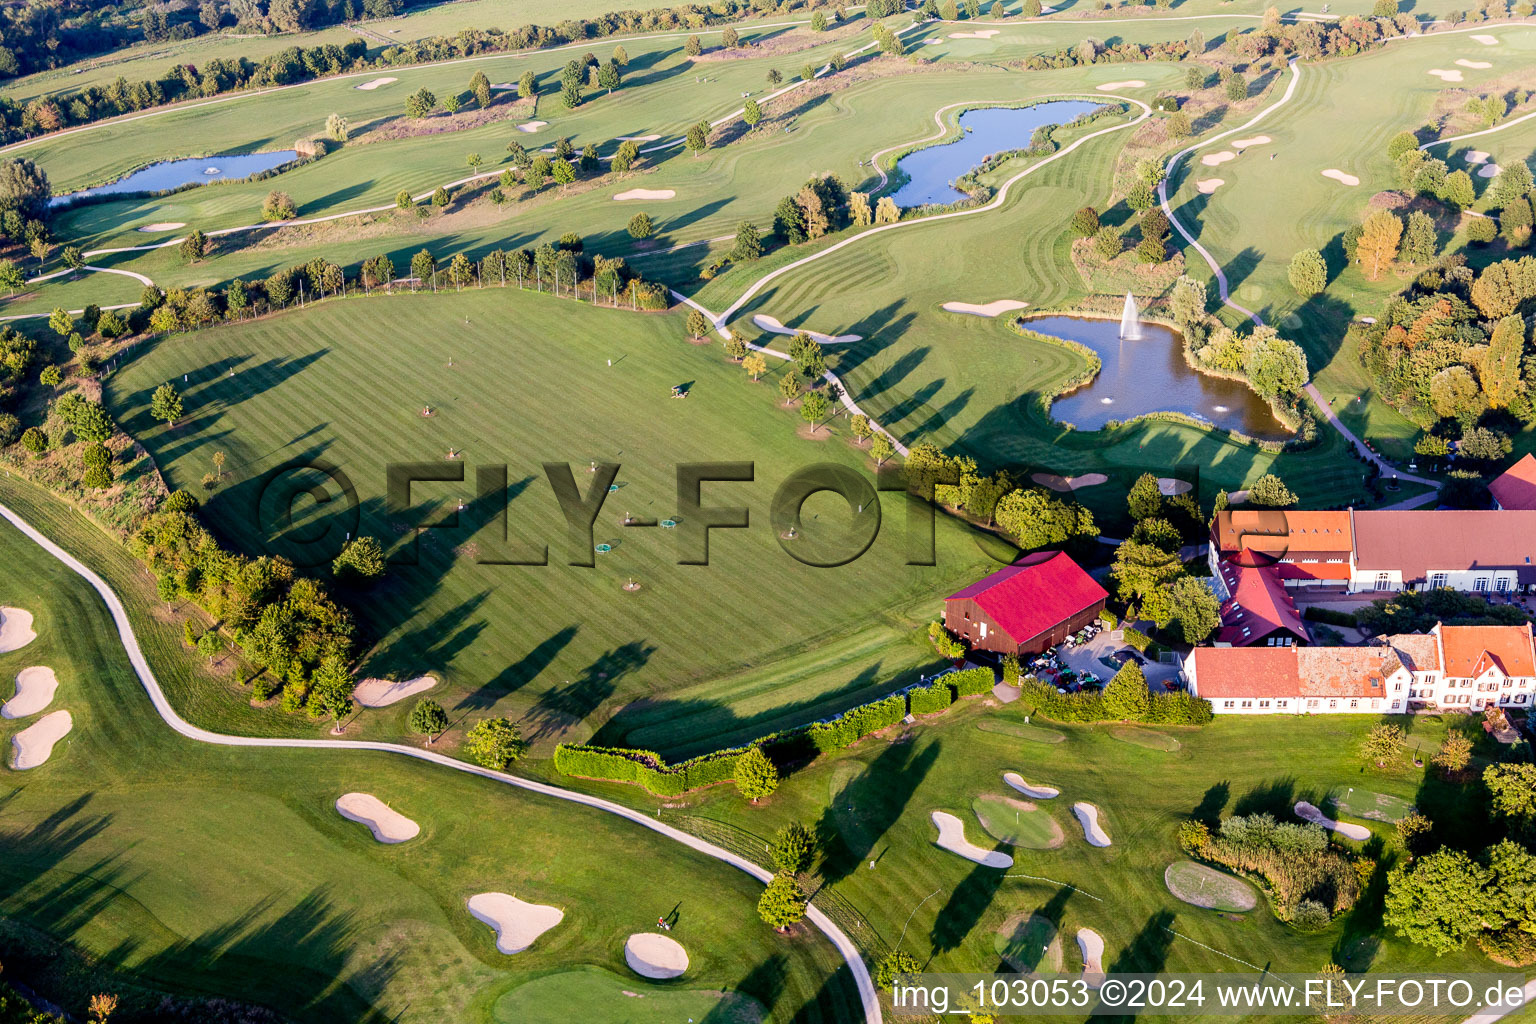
{"x":971,"y":682}
{"x":926,"y":700}
{"x":647,"y":767}
{"x":857,"y":723}
{"x":1330,"y":616}
{"x":1178,"y":708}
{"x":1109,"y":618}
{"x":1137,"y":639}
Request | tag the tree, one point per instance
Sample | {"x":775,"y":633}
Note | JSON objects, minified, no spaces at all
{"x":420,"y":104}
{"x":495,"y":743}
{"x":755,"y":365}
{"x":424,"y":266}
{"x":440,"y":197}
{"x":775,"y":76}
{"x":1454,"y":755}
{"x":814,"y":408}
{"x":165,"y":404}
{"x":1511,"y":183}
{"x":1377,"y":247}
{"x":1458,"y":190}
{"x":1308,"y":273}
{"x":73,"y":258}
{"x":608,"y":78}
{"x":1420,"y":242}
{"x":278,"y":205}
{"x":748,"y":245}
{"x":1127,"y":695}
{"x":1515,"y":223}
{"x":336,"y":128}
{"x":886,"y":211}
{"x":563,"y":172}
{"x":1195,"y":608}
{"x":697,"y":139}
{"x":480,"y":88}
{"x":620,"y":55}
{"x":1237,"y":88}
{"x":789,"y":387}
{"x":751,"y":113}
{"x":12,"y":277}
{"x":361,"y":562}
{"x":698,"y":324}
{"x":881,"y":448}
{"x":794,"y":846}
{"x":62,"y":323}
{"x":1036,"y":519}
{"x":1439,"y":901}
{"x":528,"y":86}
{"x":640,"y":226}
{"x":427,"y":719}
{"x":193,"y":247}
{"x":898,"y":963}
{"x":1145,"y":498}
{"x":461,"y":271}
{"x":1513,"y":788}
{"x":1108,"y":243}
{"x":782,"y":903}
{"x":1383,"y":743}
{"x":24,"y":189}
{"x":1179,"y":126}
{"x":1269,"y":491}
{"x":1484,"y":445}
{"x":756,"y":776}
{"x":1413,"y":832}
{"x":693,"y":47}
{"x":1085,"y":222}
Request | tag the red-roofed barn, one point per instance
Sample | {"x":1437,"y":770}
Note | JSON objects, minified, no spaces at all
{"x":1033,"y":604}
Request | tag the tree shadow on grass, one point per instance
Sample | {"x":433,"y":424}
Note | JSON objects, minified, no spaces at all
{"x":572,"y":702}
{"x":880,"y":793}
{"x":1212,"y":804}
{"x":1277,"y":797}
{"x":966,"y":905}
{"x":519,"y":673}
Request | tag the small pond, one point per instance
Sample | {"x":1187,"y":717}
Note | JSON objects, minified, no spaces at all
{"x":1150,"y":375}
{"x":169,"y":174}
{"x":984,"y":131}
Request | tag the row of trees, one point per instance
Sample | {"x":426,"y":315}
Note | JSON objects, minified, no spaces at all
{"x":1149,"y":572}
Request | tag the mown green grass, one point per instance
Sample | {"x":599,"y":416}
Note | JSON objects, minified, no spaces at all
{"x":1005,"y":821}
{"x":589,"y":994}
{"x":753,"y":641}
{"x":166,"y":864}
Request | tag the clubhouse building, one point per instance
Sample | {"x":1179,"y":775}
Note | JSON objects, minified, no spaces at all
{"x":1032,"y":605}
{"x":1457,"y":668}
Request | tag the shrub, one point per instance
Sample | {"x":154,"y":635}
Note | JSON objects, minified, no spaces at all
{"x":34,"y":440}
{"x":894,"y":965}
{"x":495,"y":743}
{"x":1194,"y":838}
{"x":1180,"y":708}
{"x":794,"y":846}
{"x":1329,"y":615}
{"x":1137,"y":639}
{"x":264,"y":687}
{"x":1481,"y":230}
{"x":1109,"y":618}
{"x":971,"y":682}
{"x":1309,"y":916}
{"x":756,"y":776}
{"x":930,"y":699}
{"x":1509,"y":946}
{"x":10,"y":429}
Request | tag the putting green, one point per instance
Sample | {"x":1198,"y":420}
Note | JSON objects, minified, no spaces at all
{"x":1028,"y":943}
{"x":1146,"y":738}
{"x":1362,"y":803}
{"x":1017,"y":822}
{"x":1023,"y":731}
{"x":590,"y":993}
{"x":1206,"y":887}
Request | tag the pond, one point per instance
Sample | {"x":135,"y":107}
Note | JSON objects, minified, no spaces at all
{"x":169,"y":174}
{"x":1151,"y":375}
{"x":984,"y":131}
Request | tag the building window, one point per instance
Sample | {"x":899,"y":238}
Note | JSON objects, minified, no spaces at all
{"x":1438,"y":580}
{"x":1397,"y":687}
{"x":1312,"y":703}
{"x":1502,"y":584}
{"x":1263,"y":703}
{"x":1519,"y":698}
{"x":1480,"y":584}
{"x":1227,"y":703}
{"x":1247,"y":703}
{"x":1281,"y":703}
{"x":983,"y":630}
{"x":1333,"y":703}
{"x":1354,"y":704}
{"x":1383,"y":581}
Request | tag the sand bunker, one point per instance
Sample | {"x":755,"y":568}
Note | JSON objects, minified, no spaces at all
{"x":986,"y":33}
{"x":1168,"y":486}
{"x":380,"y":693}
{"x":1341,"y":177}
{"x":1485,"y":40}
{"x":531,"y":126}
{"x":1091,"y":944}
{"x":646,"y":193}
{"x":15,"y":629}
{"x":985,"y":308}
{"x":1088,"y":815}
{"x":768,"y":323}
{"x":1476,"y":156}
{"x":1069,"y":483}
{"x":1475,"y":65}
{"x":1257,"y":140}
{"x":1489,"y":171}
{"x":638,"y":138}
{"x":1130,"y":83}
{"x":1209,"y":185}
{"x":1444,"y":75}
{"x":373,"y":84}
{"x":1016,"y":780}
{"x":952,"y":838}
{"x":516,"y":924}
{"x":655,"y":956}
{"x":387,"y":826}
{"x":163,"y":225}
{"x":34,"y":744}
{"x":35,"y":688}
{"x":1307,"y":812}
{"x":1217,"y":159}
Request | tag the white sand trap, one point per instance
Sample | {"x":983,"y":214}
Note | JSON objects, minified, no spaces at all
{"x":655,"y":956}
{"x":1489,"y":171}
{"x":1217,"y":159}
{"x":1209,"y":185}
{"x":1444,"y":75}
{"x":986,"y":33}
{"x":1091,"y":944}
{"x":1168,"y":486}
{"x":996,"y":308}
{"x":1069,"y":483}
{"x":1485,"y":40}
{"x":952,"y":838}
{"x":15,"y":629}
{"x":163,"y":225}
{"x":1016,"y":780}
{"x":516,"y":924}
{"x":373,"y":84}
{"x":638,"y":138}
{"x":1257,"y":140}
{"x":768,"y":323}
{"x":1477,"y":156}
{"x":1475,"y":65}
{"x":1088,"y":815}
{"x":35,"y":743}
{"x":1341,"y":177}
{"x":380,"y":693}
{"x":387,"y":826}
{"x":531,"y":126}
{"x":645,"y":193}
{"x":35,"y":688}
{"x":1307,"y":812}
{"x":1130,"y":83}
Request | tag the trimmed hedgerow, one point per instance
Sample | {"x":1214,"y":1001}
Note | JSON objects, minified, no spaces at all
{"x":857,"y":723}
{"x":1137,"y":639}
{"x":971,"y":682}
{"x":926,"y":700}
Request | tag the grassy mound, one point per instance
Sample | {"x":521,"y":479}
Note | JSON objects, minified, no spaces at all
{"x":1017,"y":822}
{"x":1362,"y":803}
{"x":590,"y":993}
{"x":1148,"y":738}
{"x":1206,"y":887}
{"x":1029,"y":943}
{"x":1033,"y":733}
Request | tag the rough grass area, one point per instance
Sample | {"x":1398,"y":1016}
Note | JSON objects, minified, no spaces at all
{"x":589,"y":993}
{"x":1363,"y":803}
{"x":1206,"y":887}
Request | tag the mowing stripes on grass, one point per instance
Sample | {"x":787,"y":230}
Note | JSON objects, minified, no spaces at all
{"x":1148,"y":738}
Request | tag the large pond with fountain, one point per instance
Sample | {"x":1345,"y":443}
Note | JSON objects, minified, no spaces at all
{"x":1144,"y":371}
{"x":983,"y":131}
{"x":169,"y":174}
